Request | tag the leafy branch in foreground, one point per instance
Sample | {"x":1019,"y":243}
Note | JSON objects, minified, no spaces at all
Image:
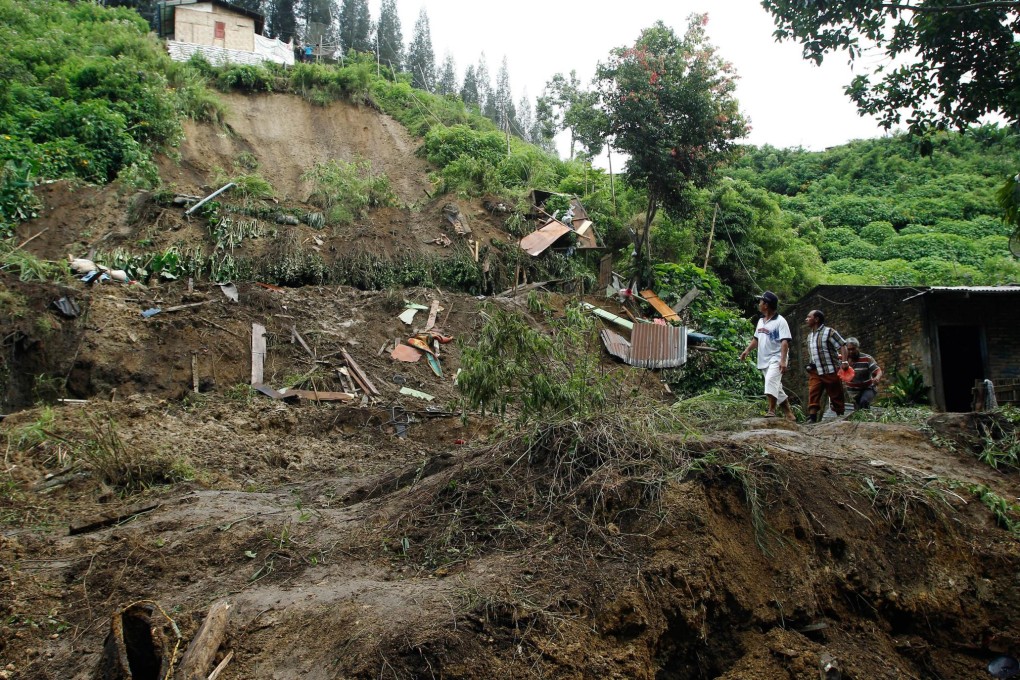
{"x":539,"y":373}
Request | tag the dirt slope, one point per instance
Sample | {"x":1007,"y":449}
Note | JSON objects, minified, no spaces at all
{"x":460,"y":549}
{"x":288,"y":135}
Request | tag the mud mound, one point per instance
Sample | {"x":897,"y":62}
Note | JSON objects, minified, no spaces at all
{"x":735,"y":556}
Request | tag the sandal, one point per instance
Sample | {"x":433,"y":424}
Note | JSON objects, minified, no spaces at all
{"x":770,"y":414}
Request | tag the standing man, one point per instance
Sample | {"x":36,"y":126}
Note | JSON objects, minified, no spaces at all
{"x":861,"y":374}
{"x":824,"y":345}
{"x":772,"y":338}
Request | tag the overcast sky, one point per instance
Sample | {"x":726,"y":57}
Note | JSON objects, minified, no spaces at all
{"x":790,"y":102}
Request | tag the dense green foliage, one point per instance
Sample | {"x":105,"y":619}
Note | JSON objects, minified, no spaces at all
{"x":669,"y":105}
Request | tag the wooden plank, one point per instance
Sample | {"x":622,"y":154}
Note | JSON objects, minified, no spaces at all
{"x":658,"y":305}
{"x":258,"y":352}
{"x":315,"y":395}
{"x":609,"y":316}
{"x":293,"y":330}
{"x":106,"y":519}
{"x":178,"y":308}
{"x":686,"y":300}
{"x":433,"y":313}
{"x":359,"y":375}
{"x":201,"y":653}
{"x":194,"y":373}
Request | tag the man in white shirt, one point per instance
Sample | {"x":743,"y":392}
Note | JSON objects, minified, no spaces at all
{"x":772,"y":339}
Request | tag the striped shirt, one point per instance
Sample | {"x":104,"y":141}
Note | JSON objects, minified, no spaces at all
{"x":865,"y":368}
{"x":823,"y":349}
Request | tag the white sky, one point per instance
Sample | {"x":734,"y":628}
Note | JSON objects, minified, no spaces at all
{"x":790,"y":101}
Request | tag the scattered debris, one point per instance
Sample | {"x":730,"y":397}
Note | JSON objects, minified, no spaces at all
{"x":230,"y":290}
{"x":659,"y":306}
{"x":80,"y":265}
{"x":687,"y":299}
{"x":537,"y":242}
{"x":434,"y":310}
{"x":109,"y":518}
{"x":400,"y":420}
{"x":434,"y":364}
{"x":151,"y":311}
{"x":360,"y":376}
{"x":1004,"y":667}
{"x":608,"y":316}
{"x":201,"y":653}
{"x":258,"y":352}
{"x":441,"y":240}
{"x":415,"y":393}
{"x":68,"y":307}
{"x":208,"y":198}
{"x":294,"y":335}
{"x":418,"y":343}
{"x":455,"y":217}
{"x":269,"y":286}
{"x":284,"y":218}
{"x":316,"y":395}
{"x":405,"y":353}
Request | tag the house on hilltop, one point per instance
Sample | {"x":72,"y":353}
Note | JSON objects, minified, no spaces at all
{"x":220,"y":31}
{"x":953,"y":335}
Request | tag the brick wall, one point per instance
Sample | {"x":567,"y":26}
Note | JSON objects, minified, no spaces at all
{"x":890,"y":323}
{"x":899,"y":328}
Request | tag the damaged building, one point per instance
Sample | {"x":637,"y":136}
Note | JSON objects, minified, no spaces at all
{"x":955,"y":336}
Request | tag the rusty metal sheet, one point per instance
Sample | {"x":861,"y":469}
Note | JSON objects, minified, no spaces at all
{"x":405,"y":353}
{"x":579,"y":212}
{"x":616,"y":344}
{"x":655,"y":346}
{"x":537,"y":242}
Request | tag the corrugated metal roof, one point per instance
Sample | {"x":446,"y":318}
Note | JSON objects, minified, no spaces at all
{"x":975,"y":289}
{"x":655,"y":346}
{"x":537,"y":242}
{"x":616,"y":344}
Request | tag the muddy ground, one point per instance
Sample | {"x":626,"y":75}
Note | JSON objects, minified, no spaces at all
{"x":741,"y":548}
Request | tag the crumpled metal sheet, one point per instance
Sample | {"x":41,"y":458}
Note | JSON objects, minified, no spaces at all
{"x":656,"y":346}
{"x":537,"y":242}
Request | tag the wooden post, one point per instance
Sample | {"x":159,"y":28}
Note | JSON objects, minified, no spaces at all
{"x":612,"y":184}
{"x":198,"y":658}
{"x":711,"y":234}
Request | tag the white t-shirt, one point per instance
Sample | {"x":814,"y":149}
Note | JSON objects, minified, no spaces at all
{"x":770,"y":339}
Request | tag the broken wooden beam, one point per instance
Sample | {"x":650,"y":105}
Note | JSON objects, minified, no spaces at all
{"x":359,"y":376}
{"x":198,"y":658}
{"x":315,"y":395}
{"x":109,"y":518}
{"x":258,"y":352}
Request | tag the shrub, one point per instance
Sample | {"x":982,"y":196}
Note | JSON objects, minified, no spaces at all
{"x":345,"y":190}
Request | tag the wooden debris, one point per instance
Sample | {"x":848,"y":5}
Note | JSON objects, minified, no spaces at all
{"x":295,"y":334}
{"x":315,"y":395}
{"x":258,"y":352}
{"x":686,"y":300}
{"x":415,"y":393}
{"x":194,"y":373}
{"x":201,"y":652}
{"x":658,"y":305}
{"x":108,"y":518}
{"x":177,"y":308}
{"x":433,"y":312}
{"x":223,"y":664}
{"x":359,"y":376}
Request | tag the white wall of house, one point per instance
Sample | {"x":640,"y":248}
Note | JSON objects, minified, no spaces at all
{"x":197,"y":24}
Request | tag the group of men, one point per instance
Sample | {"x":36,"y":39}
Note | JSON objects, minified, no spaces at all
{"x":834,"y":364}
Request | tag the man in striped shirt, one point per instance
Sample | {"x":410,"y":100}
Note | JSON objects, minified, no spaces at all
{"x":861,"y":374}
{"x":824,"y":345}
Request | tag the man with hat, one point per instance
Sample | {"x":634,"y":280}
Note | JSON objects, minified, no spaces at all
{"x":772,"y":339}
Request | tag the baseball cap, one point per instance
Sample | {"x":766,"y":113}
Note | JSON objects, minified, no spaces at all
{"x":852,"y":341}
{"x":769,"y":297}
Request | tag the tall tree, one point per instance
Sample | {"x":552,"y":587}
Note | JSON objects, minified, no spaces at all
{"x":577,"y":111}
{"x":506,"y":114}
{"x":320,"y":21}
{"x":670,"y":107}
{"x":948,"y":62}
{"x":486,"y":105}
{"x":525,"y":117}
{"x":421,"y":59}
{"x":282,"y":19}
{"x":469,"y":90}
{"x":447,"y":77}
{"x":547,"y":123}
{"x":355,"y":26}
{"x":389,"y":41}
{"x":252,"y":5}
